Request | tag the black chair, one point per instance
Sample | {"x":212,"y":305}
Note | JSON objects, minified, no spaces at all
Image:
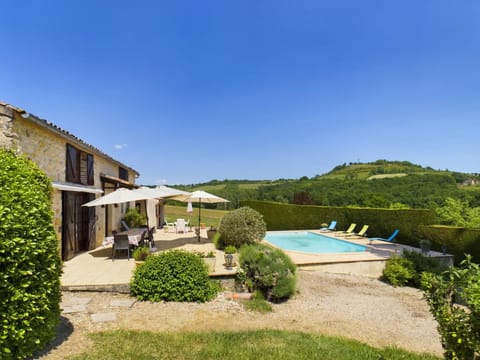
{"x":120,"y":242}
{"x":143,"y":238}
{"x":150,"y":238}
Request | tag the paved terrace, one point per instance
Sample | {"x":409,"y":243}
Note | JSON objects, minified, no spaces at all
{"x":95,"y":270}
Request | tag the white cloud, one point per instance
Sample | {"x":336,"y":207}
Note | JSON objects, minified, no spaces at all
{"x":161,"y":182}
{"x":120,"y":146}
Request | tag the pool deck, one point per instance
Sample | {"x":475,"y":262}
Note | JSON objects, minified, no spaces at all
{"x":95,"y":271}
{"x":368,"y":263}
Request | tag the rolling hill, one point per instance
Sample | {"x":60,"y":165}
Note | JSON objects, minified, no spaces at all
{"x":377,"y":184}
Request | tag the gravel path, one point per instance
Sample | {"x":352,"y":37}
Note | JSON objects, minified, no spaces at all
{"x":340,"y":305}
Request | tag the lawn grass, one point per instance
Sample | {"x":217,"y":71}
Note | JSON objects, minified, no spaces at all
{"x":259,"y":344}
{"x":208,"y":216}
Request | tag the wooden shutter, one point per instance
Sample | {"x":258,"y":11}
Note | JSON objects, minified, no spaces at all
{"x":90,"y":177}
{"x":73,"y":165}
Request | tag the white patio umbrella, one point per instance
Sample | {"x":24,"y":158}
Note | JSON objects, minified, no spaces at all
{"x":119,"y":196}
{"x":200,"y":197}
{"x":160,"y":192}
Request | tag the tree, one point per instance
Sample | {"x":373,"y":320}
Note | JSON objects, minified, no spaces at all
{"x":458,"y":213}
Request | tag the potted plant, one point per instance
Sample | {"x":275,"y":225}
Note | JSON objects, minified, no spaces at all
{"x":211,"y":232}
{"x":210,"y":258}
{"x":140,"y":254}
{"x":230,"y":250}
{"x":134,"y":218}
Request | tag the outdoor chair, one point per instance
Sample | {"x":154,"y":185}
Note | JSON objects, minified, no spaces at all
{"x":169,"y":225}
{"x":349,"y":230}
{"x":180,"y":226}
{"x":389,"y":239}
{"x":362,"y":232}
{"x":149,"y":236}
{"x":120,"y":242}
{"x":124,"y":226}
{"x":143,"y":238}
{"x":330,"y":227}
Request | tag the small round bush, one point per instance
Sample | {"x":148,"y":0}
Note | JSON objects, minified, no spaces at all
{"x":399,"y":271}
{"x":243,"y":226}
{"x":269,"y":270}
{"x":174,"y":275}
{"x":30,"y":266}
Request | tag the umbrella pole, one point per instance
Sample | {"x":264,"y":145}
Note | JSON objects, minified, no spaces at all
{"x":199,"y":208}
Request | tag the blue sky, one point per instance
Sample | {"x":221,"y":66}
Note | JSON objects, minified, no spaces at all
{"x":190,"y":91}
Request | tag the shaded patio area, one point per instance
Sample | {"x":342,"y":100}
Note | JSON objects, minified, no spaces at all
{"x":94,"y":270}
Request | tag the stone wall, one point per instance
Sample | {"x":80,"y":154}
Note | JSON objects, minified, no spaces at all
{"x":47,"y":149}
{"x":8,"y":138}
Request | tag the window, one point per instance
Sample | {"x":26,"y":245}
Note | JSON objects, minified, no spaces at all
{"x":79,"y":167}
{"x":123,"y":173}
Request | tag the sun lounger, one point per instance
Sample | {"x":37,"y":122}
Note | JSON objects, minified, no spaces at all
{"x":349,"y":230}
{"x":389,"y":239}
{"x":330,"y":227}
{"x":362,"y":232}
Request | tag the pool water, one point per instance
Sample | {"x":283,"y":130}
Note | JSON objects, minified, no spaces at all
{"x":310,"y":242}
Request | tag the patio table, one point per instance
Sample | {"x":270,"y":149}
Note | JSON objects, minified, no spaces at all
{"x":134,"y":236}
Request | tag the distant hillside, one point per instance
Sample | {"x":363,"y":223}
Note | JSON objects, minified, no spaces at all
{"x":366,"y":170}
{"x":382,"y":184}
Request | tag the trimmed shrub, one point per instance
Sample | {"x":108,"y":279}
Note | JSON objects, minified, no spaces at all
{"x":243,"y":226}
{"x":398,"y":271}
{"x":269,"y":270}
{"x":174,"y":275}
{"x":30,"y":265}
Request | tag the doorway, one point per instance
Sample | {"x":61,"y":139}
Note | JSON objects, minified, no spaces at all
{"x":78,"y":223}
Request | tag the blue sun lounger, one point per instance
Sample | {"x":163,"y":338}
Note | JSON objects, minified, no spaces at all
{"x":330,"y":227}
{"x":389,"y":239}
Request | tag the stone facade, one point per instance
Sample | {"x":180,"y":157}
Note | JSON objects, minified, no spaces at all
{"x":45,"y":144}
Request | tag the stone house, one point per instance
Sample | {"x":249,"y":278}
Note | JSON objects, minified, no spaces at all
{"x":78,"y":172}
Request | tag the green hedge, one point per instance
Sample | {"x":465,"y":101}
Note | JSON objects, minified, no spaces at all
{"x":30,"y":266}
{"x":382,"y":222}
{"x":458,"y":241}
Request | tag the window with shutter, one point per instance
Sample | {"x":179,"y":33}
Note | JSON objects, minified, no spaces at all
{"x":73,"y":165}
{"x":80,"y":166}
{"x":90,"y":178}
{"x":123,"y":173}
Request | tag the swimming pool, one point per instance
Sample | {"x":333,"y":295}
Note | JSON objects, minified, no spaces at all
{"x":309,"y":242}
